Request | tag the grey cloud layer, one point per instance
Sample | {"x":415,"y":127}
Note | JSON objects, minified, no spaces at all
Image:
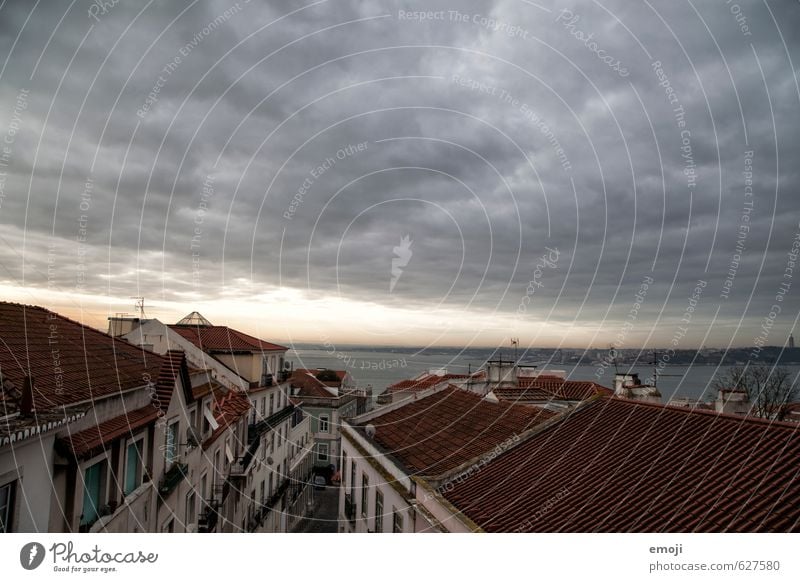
{"x":261,"y":98}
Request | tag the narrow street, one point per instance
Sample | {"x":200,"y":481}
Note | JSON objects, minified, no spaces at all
{"x":323,"y":517}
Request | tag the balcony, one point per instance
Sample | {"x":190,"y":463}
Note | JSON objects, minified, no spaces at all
{"x":207,"y":520}
{"x":241,"y":465}
{"x":258,"y":428}
{"x":349,"y":508}
{"x":172,"y":478}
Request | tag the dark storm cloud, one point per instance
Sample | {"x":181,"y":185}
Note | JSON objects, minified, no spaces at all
{"x":490,"y":132}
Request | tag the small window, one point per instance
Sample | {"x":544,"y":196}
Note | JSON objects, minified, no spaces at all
{"x":378,"y":511}
{"x":133,"y":466}
{"x":364,"y":494}
{"x":7,"y":506}
{"x":397,"y":521}
{"x":263,"y":407}
{"x":190,"y":509}
{"x":322,"y":452}
{"x":271,"y":403}
{"x":324,"y":421}
{"x":93,"y":478}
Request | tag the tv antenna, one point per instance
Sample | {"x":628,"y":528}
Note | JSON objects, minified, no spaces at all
{"x":656,"y":373}
{"x":140,"y":306}
{"x":515,"y":343}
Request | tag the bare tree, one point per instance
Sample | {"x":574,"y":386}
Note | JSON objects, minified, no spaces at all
{"x":768,"y":388}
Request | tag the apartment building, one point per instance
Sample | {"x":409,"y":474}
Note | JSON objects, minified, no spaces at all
{"x":433,"y":431}
{"x":260,"y":471}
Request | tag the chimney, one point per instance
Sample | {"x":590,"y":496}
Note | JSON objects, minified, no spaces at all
{"x":26,"y":401}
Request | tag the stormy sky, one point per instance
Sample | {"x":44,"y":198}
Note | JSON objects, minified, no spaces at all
{"x":569,"y":173}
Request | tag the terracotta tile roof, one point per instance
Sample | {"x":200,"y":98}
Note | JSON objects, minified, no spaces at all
{"x":228,"y":410}
{"x":93,"y":440}
{"x":309,"y":386}
{"x":219,"y":338}
{"x":621,"y":466}
{"x":423,"y":383}
{"x":440,"y":432}
{"x":70,"y":363}
{"x":554,"y":386}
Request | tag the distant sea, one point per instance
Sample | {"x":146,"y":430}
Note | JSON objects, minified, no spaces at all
{"x":385,"y":366}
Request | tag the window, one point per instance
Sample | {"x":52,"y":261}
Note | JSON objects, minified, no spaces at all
{"x":7,"y":506}
{"x":397,"y":521}
{"x":271,"y":403}
{"x":269,"y":490}
{"x":263,"y":407}
{"x":353,"y":480}
{"x":324,"y":420}
{"x":364,"y":494}
{"x":133,"y":466}
{"x":207,"y":417}
{"x":263,"y":492}
{"x":169,"y":526}
{"x":254,"y":407}
{"x":378,"y":511}
{"x":92,"y":493}
{"x":344,"y":469}
{"x":203,"y":487}
{"x":171,"y":445}
{"x":322,"y":452}
{"x":190,"y":510}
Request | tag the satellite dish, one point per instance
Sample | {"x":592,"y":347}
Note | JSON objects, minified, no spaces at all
{"x":269,"y":461}
{"x":370,"y":430}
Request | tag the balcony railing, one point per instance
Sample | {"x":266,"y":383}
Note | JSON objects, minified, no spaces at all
{"x":256,"y":429}
{"x":207,"y":520}
{"x":172,"y":478}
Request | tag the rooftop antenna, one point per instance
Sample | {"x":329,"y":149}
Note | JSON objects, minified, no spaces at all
{"x":140,"y":306}
{"x":656,"y":373}
{"x":612,"y":351}
{"x":515,"y":343}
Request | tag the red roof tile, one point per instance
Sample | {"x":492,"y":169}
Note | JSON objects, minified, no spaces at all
{"x":419,"y":384}
{"x":622,"y":466}
{"x":552,"y":387}
{"x":440,"y":432}
{"x":93,"y":439}
{"x":228,"y":410}
{"x":309,"y":386}
{"x":219,"y":338}
{"x":70,"y":363}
